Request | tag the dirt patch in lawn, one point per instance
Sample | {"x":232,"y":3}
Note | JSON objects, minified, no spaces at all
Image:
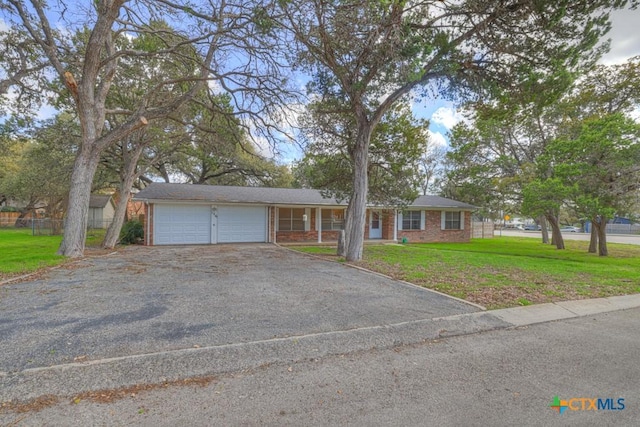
{"x":67,"y":264}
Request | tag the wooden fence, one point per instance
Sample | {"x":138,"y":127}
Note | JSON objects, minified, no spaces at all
{"x":8,"y":219}
{"x":481,"y":230}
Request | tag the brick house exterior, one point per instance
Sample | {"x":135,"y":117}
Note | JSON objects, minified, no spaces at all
{"x":203,"y":214}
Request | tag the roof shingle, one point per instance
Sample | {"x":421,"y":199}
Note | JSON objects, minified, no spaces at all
{"x":266,"y":196}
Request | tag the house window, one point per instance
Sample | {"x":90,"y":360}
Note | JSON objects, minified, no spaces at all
{"x":290,"y":219}
{"x":411,"y":220}
{"x":332,"y":219}
{"x":452,"y":220}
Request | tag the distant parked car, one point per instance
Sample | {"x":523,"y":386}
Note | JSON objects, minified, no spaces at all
{"x":570,"y":229}
{"x":532,"y":227}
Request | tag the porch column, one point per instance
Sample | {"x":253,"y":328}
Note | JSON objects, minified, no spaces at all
{"x":319,"y":224}
{"x":274,"y":222}
{"x":395,"y":225}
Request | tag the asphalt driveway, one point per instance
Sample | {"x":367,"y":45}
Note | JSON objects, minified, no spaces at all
{"x":145,"y":300}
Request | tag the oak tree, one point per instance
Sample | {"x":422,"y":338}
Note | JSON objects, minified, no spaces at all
{"x":370,"y":55}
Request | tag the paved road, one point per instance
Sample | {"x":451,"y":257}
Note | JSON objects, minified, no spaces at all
{"x":503,"y":377}
{"x":628,"y":239}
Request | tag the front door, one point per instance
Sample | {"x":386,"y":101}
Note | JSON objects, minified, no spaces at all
{"x":375,"y":225}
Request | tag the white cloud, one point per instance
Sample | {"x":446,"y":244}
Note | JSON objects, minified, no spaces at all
{"x":437,"y":139}
{"x":447,"y":117}
{"x":625,"y":39}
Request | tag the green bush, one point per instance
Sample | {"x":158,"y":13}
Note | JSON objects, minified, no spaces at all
{"x":9,"y":209}
{"x":132,"y":232}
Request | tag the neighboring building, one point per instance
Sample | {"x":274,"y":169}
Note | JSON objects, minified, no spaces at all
{"x":101,"y":211}
{"x":206,"y":214}
{"x":618,"y":225}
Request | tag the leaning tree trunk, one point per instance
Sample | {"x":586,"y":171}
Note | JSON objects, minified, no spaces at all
{"x":113,"y":231}
{"x":356,"y":211}
{"x":593,"y":243}
{"x":602,"y":238}
{"x":129,"y":176}
{"x":555,"y":230}
{"x":75,"y":223}
{"x":543,"y":228}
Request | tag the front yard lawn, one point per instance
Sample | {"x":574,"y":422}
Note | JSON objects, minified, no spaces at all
{"x":506,"y":271}
{"x":22,"y":253}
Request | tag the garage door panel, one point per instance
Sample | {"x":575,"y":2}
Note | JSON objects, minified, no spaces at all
{"x":242,"y":224}
{"x":182,"y":225}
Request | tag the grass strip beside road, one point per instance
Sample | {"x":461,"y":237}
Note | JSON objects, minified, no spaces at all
{"x":506,"y":271}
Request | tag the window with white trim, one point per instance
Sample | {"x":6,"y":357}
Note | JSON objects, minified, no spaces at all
{"x":452,"y":221}
{"x":332,"y":219}
{"x":411,"y":220}
{"x":290,"y":219}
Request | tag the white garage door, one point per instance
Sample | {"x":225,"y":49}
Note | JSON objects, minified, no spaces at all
{"x":181,"y":225}
{"x":242,"y":224}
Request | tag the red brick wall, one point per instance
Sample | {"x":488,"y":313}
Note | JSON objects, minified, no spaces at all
{"x":148,"y":218}
{"x":306,"y":236}
{"x":433,"y":232}
{"x":388,"y":221}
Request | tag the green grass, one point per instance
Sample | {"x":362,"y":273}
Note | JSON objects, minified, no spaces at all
{"x":507,"y":271}
{"x":22,"y":253}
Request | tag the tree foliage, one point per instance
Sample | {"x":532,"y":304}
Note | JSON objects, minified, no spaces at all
{"x":584,"y":140}
{"x":87,"y":62}
{"x":602,"y":163}
{"x":367,"y":55}
{"x":397,"y":147}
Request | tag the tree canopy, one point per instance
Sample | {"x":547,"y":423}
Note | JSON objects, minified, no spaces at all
{"x":367,"y":55}
{"x":86,"y":46}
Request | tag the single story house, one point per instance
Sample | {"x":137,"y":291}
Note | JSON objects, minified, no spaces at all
{"x":183,"y":214}
{"x":101,"y":211}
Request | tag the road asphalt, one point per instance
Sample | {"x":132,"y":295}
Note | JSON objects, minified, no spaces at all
{"x":481,"y":368}
{"x":498,"y":376}
{"x":629,"y":239}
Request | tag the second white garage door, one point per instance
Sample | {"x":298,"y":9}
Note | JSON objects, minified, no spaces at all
{"x":242,"y":224}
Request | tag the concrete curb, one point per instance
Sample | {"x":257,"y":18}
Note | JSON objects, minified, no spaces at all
{"x":155,"y":368}
{"x":540,"y":313}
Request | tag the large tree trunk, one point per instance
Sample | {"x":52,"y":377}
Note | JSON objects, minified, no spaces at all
{"x":602,"y":237}
{"x":113,"y":232}
{"x":558,"y":240}
{"x":128,"y":176}
{"x":542,"y":221}
{"x":75,"y":224}
{"x":356,"y":211}
{"x":593,"y":243}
